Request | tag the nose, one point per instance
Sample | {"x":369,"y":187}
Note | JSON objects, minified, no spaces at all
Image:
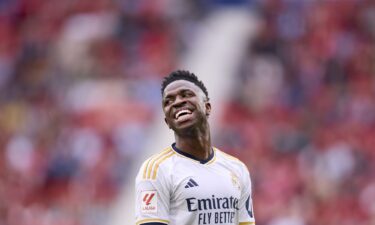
{"x":179,"y":101}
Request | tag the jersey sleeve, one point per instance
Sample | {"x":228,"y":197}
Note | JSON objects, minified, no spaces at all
{"x":152,"y":198}
{"x":246,"y":212}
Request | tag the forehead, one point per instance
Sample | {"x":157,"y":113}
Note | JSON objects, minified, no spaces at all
{"x":179,"y":85}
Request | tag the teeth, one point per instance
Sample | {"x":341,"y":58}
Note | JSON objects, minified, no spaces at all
{"x":182,"y":112}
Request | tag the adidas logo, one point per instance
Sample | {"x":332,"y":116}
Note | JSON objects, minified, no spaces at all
{"x":191,"y":183}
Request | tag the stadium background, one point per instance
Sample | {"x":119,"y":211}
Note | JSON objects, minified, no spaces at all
{"x":292,"y":81}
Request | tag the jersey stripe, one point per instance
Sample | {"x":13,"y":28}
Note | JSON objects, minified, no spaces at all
{"x":153,"y":223}
{"x":151,"y":160}
{"x":145,"y":168}
{"x":152,"y":220}
{"x":159,"y":162}
{"x":247,"y":223}
{"x":153,"y":163}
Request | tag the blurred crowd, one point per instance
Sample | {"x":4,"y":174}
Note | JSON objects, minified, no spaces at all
{"x":302,"y":116}
{"x":80,"y":85}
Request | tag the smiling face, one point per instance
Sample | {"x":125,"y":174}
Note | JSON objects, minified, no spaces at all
{"x":184,"y":105}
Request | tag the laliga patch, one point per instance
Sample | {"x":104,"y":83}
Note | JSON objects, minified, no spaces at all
{"x":149,"y":202}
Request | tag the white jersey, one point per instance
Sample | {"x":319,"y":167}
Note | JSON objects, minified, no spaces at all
{"x":174,"y":188}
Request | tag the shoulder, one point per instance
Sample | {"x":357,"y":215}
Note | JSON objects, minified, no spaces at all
{"x":237,"y":166}
{"x":227,"y":157}
{"x":231,"y":160}
{"x":150,"y":167}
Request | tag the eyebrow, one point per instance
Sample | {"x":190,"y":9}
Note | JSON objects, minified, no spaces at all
{"x":179,"y":91}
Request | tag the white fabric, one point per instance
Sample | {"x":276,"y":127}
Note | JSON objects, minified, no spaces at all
{"x":190,"y":192}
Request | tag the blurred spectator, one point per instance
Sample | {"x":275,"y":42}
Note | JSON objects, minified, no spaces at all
{"x":79,"y":83}
{"x":302,"y":117}
{"x":79,"y":86}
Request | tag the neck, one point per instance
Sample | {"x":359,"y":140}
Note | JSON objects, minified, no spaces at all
{"x":196,"y":142}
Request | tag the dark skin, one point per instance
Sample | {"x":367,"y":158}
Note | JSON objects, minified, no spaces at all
{"x":192,"y":130}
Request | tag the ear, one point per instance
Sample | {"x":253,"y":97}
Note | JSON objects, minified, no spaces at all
{"x":208,"y":109}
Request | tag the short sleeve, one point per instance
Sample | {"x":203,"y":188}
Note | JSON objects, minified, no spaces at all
{"x":152,"y":199}
{"x":246,"y":212}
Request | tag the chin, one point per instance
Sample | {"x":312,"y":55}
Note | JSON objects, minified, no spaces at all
{"x":184,"y":128}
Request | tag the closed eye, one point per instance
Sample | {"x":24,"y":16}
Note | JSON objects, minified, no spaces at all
{"x":167,"y":102}
{"x":187,"y":94}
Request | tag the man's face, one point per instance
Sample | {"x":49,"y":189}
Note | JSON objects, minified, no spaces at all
{"x":184,"y":105}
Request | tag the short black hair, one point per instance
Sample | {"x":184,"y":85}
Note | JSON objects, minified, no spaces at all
{"x":183,"y":75}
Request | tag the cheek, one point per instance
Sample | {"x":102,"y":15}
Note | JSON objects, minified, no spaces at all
{"x":166,"y":110}
{"x":167,"y":115}
{"x":202,"y":108}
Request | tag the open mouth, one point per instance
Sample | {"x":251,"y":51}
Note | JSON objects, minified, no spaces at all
{"x":182,"y":114}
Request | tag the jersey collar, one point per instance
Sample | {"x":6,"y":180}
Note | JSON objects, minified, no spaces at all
{"x":210,"y":157}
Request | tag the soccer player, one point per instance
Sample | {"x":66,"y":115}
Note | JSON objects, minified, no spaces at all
{"x":191,"y":182}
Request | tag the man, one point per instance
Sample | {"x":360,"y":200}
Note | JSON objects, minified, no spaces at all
{"x":191,"y":182}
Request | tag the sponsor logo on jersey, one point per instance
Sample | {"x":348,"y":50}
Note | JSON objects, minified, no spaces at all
{"x":149,"y":202}
{"x":194,"y":204}
{"x":214,"y":210}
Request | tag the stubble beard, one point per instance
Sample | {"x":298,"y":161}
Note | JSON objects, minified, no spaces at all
{"x":195,"y":130}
